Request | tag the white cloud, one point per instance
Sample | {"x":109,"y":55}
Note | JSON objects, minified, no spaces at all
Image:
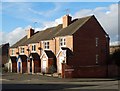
{"x":48,"y":24}
{"x":82,"y":13}
{"x":1,"y":34}
{"x":18,"y":33}
{"x":100,"y":9}
{"x":47,"y":13}
{"x":107,"y":16}
{"x":13,"y":36}
{"x":19,"y":10}
{"x":38,"y":29}
{"x":35,"y":12}
{"x":59,"y":20}
{"x":115,"y":43}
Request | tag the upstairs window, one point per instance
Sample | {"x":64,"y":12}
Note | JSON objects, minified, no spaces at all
{"x":33,"y":47}
{"x":96,"y":41}
{"x":13,"y":51}
{"x":46,"y":45}
{"x":22,"y":50}
{"x":62,"y":42}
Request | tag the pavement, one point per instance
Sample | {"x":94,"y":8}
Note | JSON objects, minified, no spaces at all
{"x":18,"y":82}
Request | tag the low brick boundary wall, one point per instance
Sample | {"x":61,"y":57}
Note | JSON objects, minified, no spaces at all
{"x":84,"y":71}
{"x":89,"y":71}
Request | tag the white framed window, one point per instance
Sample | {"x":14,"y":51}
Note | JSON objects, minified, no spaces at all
{"x":34,"y":47}
{"x":13,"y":51}
{"x":62,"y":42}
{"x":96,"y":39}
{"x":22,"y":50}
{"x":46,"y":45}
{"x":97,"y":56}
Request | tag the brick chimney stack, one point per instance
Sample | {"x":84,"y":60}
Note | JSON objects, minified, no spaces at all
{"x":30,"y":32}
{"x":66,"y":20}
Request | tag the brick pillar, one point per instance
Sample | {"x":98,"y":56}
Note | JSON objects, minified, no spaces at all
{"x":33,"y":67}
{"x":28,"y":66}
{"x":63,"y":70}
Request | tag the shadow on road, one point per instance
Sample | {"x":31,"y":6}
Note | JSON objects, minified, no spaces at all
{"x":49,"y":87}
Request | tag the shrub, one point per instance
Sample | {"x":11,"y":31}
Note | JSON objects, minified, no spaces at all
{"x":116,"y":57}
{"x":52,"y":69}
{"x":4,"y":69}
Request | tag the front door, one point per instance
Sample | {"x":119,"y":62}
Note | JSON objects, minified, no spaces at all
{"x":10,"y":64}
{"x":19,"y":67}
{"x":30,"y":66}
{"x":44,"y":66}
{"x":61,"y":59}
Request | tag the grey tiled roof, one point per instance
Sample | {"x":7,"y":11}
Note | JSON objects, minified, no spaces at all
{"x":44,"y":35}
{"x":72,"y":28}
{"x":20,"y":42}
{"x":52,"y":32}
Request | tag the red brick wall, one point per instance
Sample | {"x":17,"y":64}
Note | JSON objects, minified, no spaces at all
{"x":84,"y":45}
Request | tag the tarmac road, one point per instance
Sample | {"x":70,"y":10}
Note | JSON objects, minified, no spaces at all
{"x":18,"y":82}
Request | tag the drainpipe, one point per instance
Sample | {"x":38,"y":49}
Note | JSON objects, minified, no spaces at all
{"x":28,"y":59}
{"x":55,"y":45}
{"x":55,"y":55}
{"x":8,"y":58}
{"x":40,"y":49}
{"x":107,"y":53}
{"x":40,"y":54}
{"x":63,"y":68}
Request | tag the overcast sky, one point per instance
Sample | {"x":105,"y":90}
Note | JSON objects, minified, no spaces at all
{"x":17,"y":17}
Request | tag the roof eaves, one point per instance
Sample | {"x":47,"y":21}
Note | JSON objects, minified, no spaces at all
{"x":20,"y":42}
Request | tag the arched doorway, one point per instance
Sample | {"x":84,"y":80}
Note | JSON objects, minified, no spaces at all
{"x":34,"y":63}
{"x":22,"y":64}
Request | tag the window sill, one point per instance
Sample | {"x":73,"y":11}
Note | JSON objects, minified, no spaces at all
{"x":22,"y":53}
{"x":63,"y":46}
{"x":46,"y":49}
{"x":12,"y":55}
{"x":33,"y":51}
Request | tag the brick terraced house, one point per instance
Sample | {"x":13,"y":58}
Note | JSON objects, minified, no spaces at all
{"x":76,"y":48}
